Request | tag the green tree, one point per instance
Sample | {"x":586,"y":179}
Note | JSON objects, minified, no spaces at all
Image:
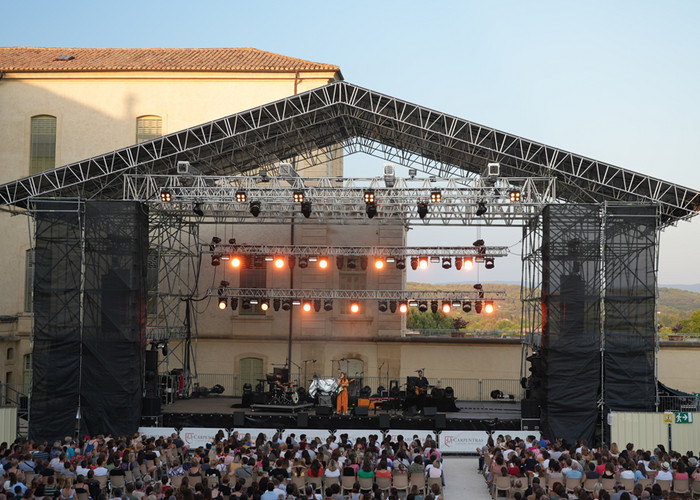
{"x":692,"y":324}
{"x":417,"y":320}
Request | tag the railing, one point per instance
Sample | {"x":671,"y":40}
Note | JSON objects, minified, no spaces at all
{"x":12,"y":394}
{"x":679,"y":403}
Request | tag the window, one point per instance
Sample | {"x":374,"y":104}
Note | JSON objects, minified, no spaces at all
{"x":42,"y":154}
{"x":251,"y":372}
{"x":27,"y":373}
{"x":351,"y":280}
{"x":252,"y":276}
{"x":10,"y":353}
{"x":148,"y":127}
{"x":28,"y":280}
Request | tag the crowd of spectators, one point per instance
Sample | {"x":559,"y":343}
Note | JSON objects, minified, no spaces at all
{"x":238,"y":467}
{"x":535,"y":469}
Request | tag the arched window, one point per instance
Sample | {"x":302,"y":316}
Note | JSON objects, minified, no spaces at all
{"x":42,"y":154}
{"x":10,"y":353}
{"x":251,"y":372}
{"x":148,"y":127}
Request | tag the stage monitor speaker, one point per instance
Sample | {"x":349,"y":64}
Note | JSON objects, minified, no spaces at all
{"x":302,"y":420}
{"x":384,"y":421}
{"x":529,"y":409}
{"x":361,"y":411}
{"x":440,"y":422}
{"x":409,"y":412}
{"x":150,"y":407}
{"x":324,"y":411}
{"x":238,"y":419}
{"x":429,"y":411}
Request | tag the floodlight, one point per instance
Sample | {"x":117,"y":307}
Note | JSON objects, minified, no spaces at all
{"x":166,"y":196}
{"x":298,"y":196}
{"x":241,"y":196}
{"x":403,"y":307}
{"x":354,"y":307}
{"x":435,"y":196}
{"x":369,"y":196}
{"x":323,"y":263}
{"x":223,"y":303}
{"x":468,"y":263}
{"x":279,"y":262}
{"x":515,"y":196}
{"x":379,"y":264}
{"x":488,"y":307}
{"x":423,"y":262}
{"x":264,"y":304}
{"x":306,"y":306}
{"x":446,"y":307}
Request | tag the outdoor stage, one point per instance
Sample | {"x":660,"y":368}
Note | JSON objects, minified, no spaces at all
{"x":227,"y":412}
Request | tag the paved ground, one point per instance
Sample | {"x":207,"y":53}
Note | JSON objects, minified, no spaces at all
{"x":462,"y":481}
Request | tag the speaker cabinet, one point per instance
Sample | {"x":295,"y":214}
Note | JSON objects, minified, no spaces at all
{"x":429,"y":411}
{"x":302,"y":420}
{"x":361,"y":411}
{"x":384,"y":421}
{"x":150,"y":407}
{"x":238,"y":419}
{"x":440,"y":422}
{"x":529,"y":409}
{"x":324,"y":411}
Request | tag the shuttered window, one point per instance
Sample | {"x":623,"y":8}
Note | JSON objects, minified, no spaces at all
{"x":42,"y":154}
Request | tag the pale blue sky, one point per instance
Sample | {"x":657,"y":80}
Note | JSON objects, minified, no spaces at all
{"x":617,"y":81}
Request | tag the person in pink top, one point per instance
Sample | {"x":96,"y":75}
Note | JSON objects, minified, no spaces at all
{"x":681,"y":472}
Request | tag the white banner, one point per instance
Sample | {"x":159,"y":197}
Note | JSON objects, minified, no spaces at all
{"x":467,"y":441}
{"x":157,"y":432}
{"x":195,"y":437}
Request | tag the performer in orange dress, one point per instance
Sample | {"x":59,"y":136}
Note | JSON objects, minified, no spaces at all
{"x":342,"y":399}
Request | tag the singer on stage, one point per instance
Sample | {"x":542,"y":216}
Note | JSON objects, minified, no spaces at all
{"x":342,"y":400}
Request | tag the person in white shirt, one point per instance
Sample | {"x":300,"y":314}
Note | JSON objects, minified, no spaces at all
{"x":664,"y":473}
{"x":101,"y":470}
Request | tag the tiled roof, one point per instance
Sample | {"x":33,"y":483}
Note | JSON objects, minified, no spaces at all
{"x":34,"y":59}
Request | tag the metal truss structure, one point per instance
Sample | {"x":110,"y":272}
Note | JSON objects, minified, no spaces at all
{"x":312,"y":126}
{"x":399,"y":295}
{"x":462,"y":201}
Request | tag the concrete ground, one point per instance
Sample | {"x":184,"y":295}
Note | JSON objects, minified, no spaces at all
{"x":462,"y":480}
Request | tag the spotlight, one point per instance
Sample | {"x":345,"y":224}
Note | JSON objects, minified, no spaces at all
{"x":489,"y":263}
{"x":215,"y":259}
{"x":488,"y":307}
{"x":291,"y":260}
{"x":241,"y":196}
{"x":166,"y":196}
{"x":223,"y":303}
{"x":264,"y":304}
{"x":234,"y":303}
{"x":352,"y":263}
{"x":392,"y":306}
{"x":379,"y":264}
{"x":477,"y":306}
{"x":400,"y":263}
{"x":514,"y":196}
{"x":215,"y":240}
{"x":276,"y":304}
{"x":422,"y":209}
{"x":369,"y":196}
{"x":306,"y":306}
{"x":403,"y":307}
{"x":446,"y":307}
{"x":422,"y":306}
{"x":306,"y":209}
{"x":458,"y":263}
{"x":317,"y":305}
{"x":481,"y":208}
{"x":327,"y":305}
{"x":245,"y":304}
{"x":433,"y":306}
{"x":363,"y":262}
{"x":287,"y":304}
{"x":414,"y":263}
{"x":339,"y":261}
{"x":354,"y":308}
{"x":236,"y":261}
{"x":468,"y":263}
{"x":197,"y":209}
{"x":323,"y":263}
{"x":423,"y":262}
{"x":255,"y":208}
{"x":298,"y":196}
{"x":303,"y":262}
{"x":446,"y":263}
{"x":467,"y":306}
{"x":279,"y":262}
{"x":371,"y":210}
{"x":435,"y":196}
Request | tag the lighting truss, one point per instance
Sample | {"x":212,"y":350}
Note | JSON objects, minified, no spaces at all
{"x":342,"y":200}
{"x":374,"y":251}
{"x":310,"y":294}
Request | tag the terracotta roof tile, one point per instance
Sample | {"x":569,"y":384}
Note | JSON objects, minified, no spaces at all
{"x":35,"y":59}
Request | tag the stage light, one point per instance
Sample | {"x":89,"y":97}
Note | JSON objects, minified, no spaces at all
{"x":245,"y":304}
{"x":197,"y":209}
{"x":303,"y":262}
{"x":215,"y":259}
{"x":371,"y":210}
{"x":456,"y":304}
{"x":403,"y":307}
{"x":234,"y":303}
{"x":298,"y":196}
{"x":279,"y":262}
{"x":291,"y":261}
{"x":225,"y":256}
{"x":392,"y":306}
{"x":306,"y":306}
{"x":422,"y":306}
{"x":379,"y":264}
{"x":317,"y":305}
{"x":363,"y":262}
{"x":255,"y":208}
{"x":423,"y":263}
{"x":276,"y":304}
{"x":515,"y":196}
{"x":313,"y":258}
{"x":383,"y":306}
{"x":327,"y":305}
{"x":413,"y":303}
{"x":323,"y":263}
{"x":488,"y":307}
{"x":287,"y":304}
{"x":433,"y":306}
{"x":435,"y":196}
{"x":477,"y":306}
{"x":264,"y":304}
{"x":468,"y":264}
{"x":352,"y":263}
{"x":481,"y":208}
{"x":458,"y":263}
{"x":414,"y":263}
{"x":489,"y":263}
{"x":467,"y":306}
{"x":369,"y":196}
{"x":166,"y":196}
{"x":446,"y":307}
{"x":446,"y":263}
{"x":478,"y":243}
{"x":254,"y":302}
{"x":422,"y":209}
{"x":269,"y":258}
{"x":223,"y":303}
{"x":241,"y":196}
{"x":306,"y":209}
{"x":339,"y":262}
{"x":400,"y":263}
{"x":354,"y":308}
{"x":296,"y":302}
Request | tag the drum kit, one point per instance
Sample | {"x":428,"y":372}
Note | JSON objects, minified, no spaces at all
{"x":282,"y":392}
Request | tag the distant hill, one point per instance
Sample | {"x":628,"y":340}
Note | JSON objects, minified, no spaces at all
{"x":690,"y":288}
{"x":674,"y":306}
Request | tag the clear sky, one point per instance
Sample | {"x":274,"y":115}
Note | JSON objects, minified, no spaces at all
{"x":618,"y":81}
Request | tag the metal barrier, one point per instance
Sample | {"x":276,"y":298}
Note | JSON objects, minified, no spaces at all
{"x":679,"y":403}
